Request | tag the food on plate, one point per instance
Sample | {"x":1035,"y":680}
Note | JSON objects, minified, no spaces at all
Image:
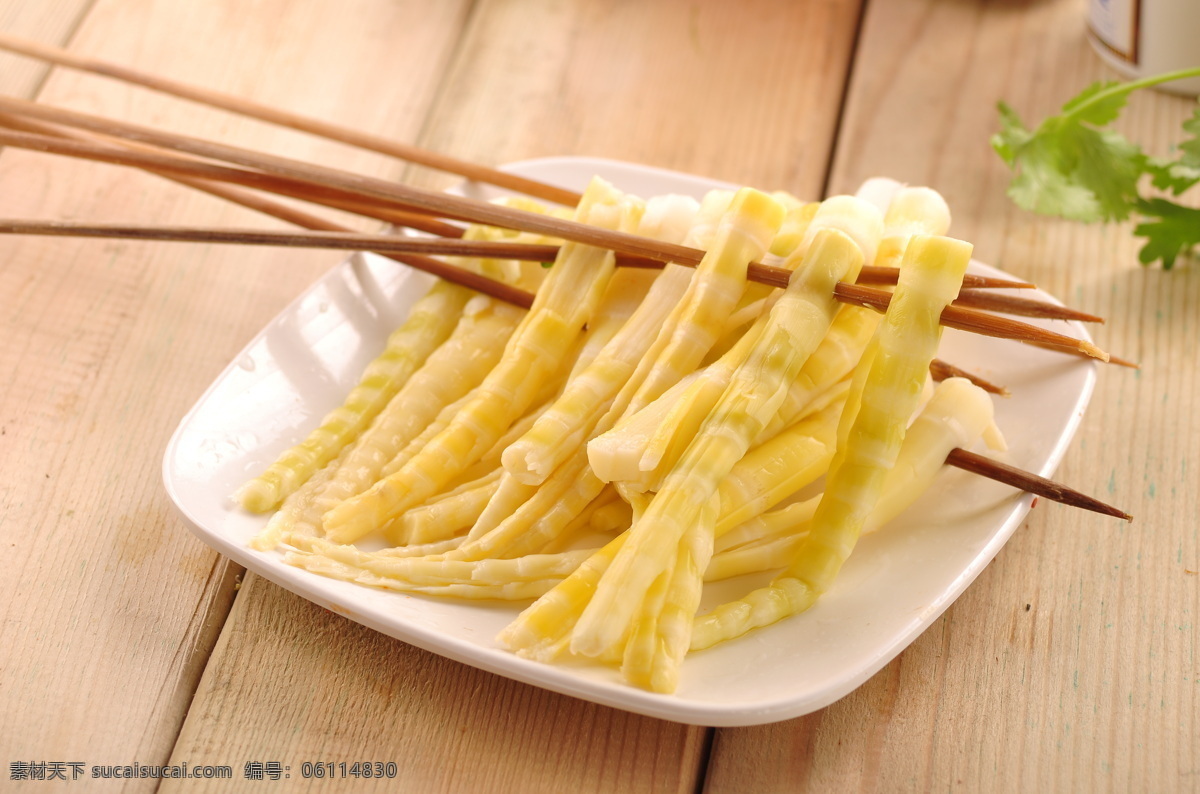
{"x":638,"y":433}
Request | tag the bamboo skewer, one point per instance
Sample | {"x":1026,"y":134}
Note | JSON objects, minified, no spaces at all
{"x":1012,"y":304}
{"x":941,"y":370}
{"x":312,"y":222}
{"x":225,"y":191}
{"x":273,"y":168}
{"x":872,"y":274}
{"x":210,"y":177}
{"x":347,"y":135}
{"x":384,"y":245}
{"x":974,"y":322}
{"x":635,"y":251}
{"x":218,"y":183}
{"x":1027,"y":481}
{"x":436,"y":203}
{"x":175,"y":165}
{"x":389,"y":245}
{"x":441,"y":204}
{"x":294,"y":121}
{"x":334,"y":240}
{"x":964,"y":319}
{"x":49,"y":140}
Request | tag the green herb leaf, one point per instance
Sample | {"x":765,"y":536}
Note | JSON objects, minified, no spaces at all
{"x":1174,"y":232}
{"x":1099,"y":104}
{"x":1190,"y":148}
{"x":1074,"y":166}
{"x":1012,"y":136}
{"x":1076,"y":172}
{"x":1171,"y":175}
{"x":1068,"y":167}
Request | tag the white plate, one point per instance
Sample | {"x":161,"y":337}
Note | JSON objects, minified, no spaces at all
{"x":894,"y":586}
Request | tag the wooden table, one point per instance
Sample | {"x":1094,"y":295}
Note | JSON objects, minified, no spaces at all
{"x":1069,"y":665}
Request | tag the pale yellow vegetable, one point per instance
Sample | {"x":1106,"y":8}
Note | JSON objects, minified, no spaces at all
{"x":741,"y":236}
{"x":912,"y":211}
{"x":562,"y":307}
{"x":613,"y":515}
{"x":833,"y":360}
{"x":540,"y":518}
{"x":769,"y":525}
{"x":797,"y":323}
{"x":455,"y":368}
{"x":641,"y":646}
{"x":957,"y":415}
{"x":694,"y":324}
{"x":632,"y":453}
{"x":615,"y":455}
{"x":299,"y":512}
{"x":530,"y":633}
{"x":450,"y":514}
{"x":503,"y":497}
{"x":433,"y":572}
{"x":550,"y":619}
{"x":674,"y":624}
{"x":774,"y":470}
{"x":486,"y":498}
{"x":589,"y":394}
{"x":770,"y":553}
{"x":802,"y":456}
{"x":602,"y":518}
{"x":490,"y":461}
{"x":513,"y":590}
{"x":794,"y":227}
{"x":445,"y":373}
{"x":909,"y":211}
{"x":510,"y":494}
{"x":885,"y":393}
{"x":429,"y":323}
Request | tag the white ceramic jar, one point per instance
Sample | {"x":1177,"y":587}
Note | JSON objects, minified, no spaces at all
{"x":1147,"y":37}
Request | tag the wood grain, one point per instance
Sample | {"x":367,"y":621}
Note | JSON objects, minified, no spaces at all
{"x":292,"y":682}
{"x":748,"y":94}
{"x":519,"y":90}
{"x":1070,"y":663}
{"x":109,"y":606}
{"x":49,"y":22}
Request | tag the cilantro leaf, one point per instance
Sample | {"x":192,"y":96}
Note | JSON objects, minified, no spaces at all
{"x":1190,"y":148}
{"x":1012,"y":136}
{"x":1099,"y":104}
{"x":1067,"y":166}
{"x":1172,"y":175}
{"x":1044,"y":185}
{"x":1105,"y":163}
{"x":1179,"y":175}
{"x":1075,"y":166}
{"x":1174,"y":232}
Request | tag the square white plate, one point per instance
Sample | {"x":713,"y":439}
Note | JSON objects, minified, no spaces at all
{"x":894,"y":586}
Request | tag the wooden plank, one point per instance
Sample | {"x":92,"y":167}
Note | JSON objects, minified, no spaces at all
{"x":1070,"y":663}
{"x":109,"y":606}
{"x":289,"y":682}
{"x":747,"y":94}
